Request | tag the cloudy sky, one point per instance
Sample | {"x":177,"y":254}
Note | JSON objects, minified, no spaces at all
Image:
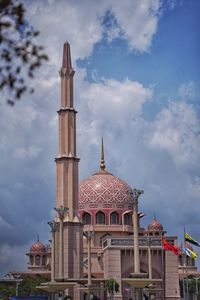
{"x":137,"y":83}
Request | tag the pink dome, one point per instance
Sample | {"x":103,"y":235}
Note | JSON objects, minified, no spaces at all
{"x":38,"y":247}
{"x":103,"y":190}
{"x":155,"y":226}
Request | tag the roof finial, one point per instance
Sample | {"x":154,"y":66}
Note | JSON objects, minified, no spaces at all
{"x":154,"y":216}
{"x":102,"y":163}
{"x":66,"y":63}
{"x":38,"y":238}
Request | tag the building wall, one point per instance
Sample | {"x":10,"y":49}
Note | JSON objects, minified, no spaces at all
{"x":172,"y":290}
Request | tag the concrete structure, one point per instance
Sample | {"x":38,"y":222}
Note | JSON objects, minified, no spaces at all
{"x":97,"y":234}
{"x":68,"y":242}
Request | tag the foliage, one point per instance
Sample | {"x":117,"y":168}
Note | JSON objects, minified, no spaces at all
{"x":193,"y":287}
{"x":7,"y":290}
{"x":28,"y":285}
{"x":111,"y":286}
{"x":26,"y":288}
{"x":67,"y":298}
{"x":19,"y":54}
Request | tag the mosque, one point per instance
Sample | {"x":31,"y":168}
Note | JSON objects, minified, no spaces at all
{"x":96,"y":234}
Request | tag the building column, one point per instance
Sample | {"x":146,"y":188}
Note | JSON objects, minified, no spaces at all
{"x":136,"y":195}
{"x":149,"y":258}
{"x":54,"y":227}
{"x":61,"y":213}
{"x":89,"y":235}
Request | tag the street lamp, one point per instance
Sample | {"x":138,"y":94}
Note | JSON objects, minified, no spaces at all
{"x":61,"y":211}
{"x":89,"y":234}
{"x":54,"y":227}
{"x":136,"y":194}
{"x":149,"y":257}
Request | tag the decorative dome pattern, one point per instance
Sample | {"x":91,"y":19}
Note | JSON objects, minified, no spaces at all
{"x":38,"y":247}
{"x":103,"y":190}
{"x":155,"y":226}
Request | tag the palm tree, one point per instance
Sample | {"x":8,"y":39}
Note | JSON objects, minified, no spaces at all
{"x":112,"y":286}
{"x":194,"y":288}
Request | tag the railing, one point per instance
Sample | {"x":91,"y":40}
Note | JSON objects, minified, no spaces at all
{"x":38,"y":297}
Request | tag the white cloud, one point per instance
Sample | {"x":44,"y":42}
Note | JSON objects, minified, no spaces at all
{"x":29,"y":152}
{"x":12,"y":258}
{"x":81,"y":23}
{"x":177,"y":131}
{"x":138,"y":21}
{"x":187,"y":90}
{"x":4,"y":223}
{"x":115,"y":100}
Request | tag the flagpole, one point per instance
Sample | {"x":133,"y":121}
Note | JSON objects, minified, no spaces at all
{"x":186,"y":271}
{"x":162,"y":269}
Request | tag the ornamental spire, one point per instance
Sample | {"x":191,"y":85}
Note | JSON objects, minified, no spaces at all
{"x":66,"y":63}
{"x":102,"y":163}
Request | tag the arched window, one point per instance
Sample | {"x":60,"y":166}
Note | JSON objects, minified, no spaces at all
{"x":31,"y":260}
{"x":44,"y":260}
{"x":114,"y":218}
{"x":37,"y":260}
{"x":127,"y":219}
{"x":100,"y":218}
{"x":86,"y":218}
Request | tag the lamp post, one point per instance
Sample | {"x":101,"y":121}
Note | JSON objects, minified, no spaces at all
{"x":149,"y":257}
{"x":61,"y":211}
{"x":136,"y":195}
{"x":89,"y":235}
{"x":18,"y":280}
{"x":54,"y":226}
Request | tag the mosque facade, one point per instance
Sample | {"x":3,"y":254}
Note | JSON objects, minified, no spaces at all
{"x":96,"y":234}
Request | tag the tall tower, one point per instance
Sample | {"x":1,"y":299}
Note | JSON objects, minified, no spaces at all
{"x":68,"y":237}
{"x":67,"y":162}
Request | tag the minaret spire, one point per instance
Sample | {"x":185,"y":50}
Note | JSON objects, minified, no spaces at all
{"x":66,"y":63}
{"x":67,"y":240}
{"x":102,"y":163}
{"x":67,"y":161}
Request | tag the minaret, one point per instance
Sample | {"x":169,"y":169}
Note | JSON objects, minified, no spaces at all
{"x":66,"y":161}
{"x":69,"y":235}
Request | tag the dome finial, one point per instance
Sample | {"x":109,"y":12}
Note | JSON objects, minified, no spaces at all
{"x":102,"y":163}
{"x":38,"y":237}
{"x":154,"y":216}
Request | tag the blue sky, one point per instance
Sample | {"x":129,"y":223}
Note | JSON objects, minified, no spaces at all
{"x":137,"y":84}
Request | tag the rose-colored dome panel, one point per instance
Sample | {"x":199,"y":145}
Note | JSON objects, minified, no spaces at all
{"x":155,"y":226}
{"x":103,"y":190}
{"x":38,"y":247}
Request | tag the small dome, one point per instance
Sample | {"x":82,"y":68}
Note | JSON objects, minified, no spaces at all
{"x":103,"y":190}
{"x":155,"y":226}
{"x":38,"y":247}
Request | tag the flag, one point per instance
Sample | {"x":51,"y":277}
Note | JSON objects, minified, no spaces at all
{"x":189,"y":239}
{"x":185,"y":250}
{"x":190,"y":252}
{"x":170,"y":247}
